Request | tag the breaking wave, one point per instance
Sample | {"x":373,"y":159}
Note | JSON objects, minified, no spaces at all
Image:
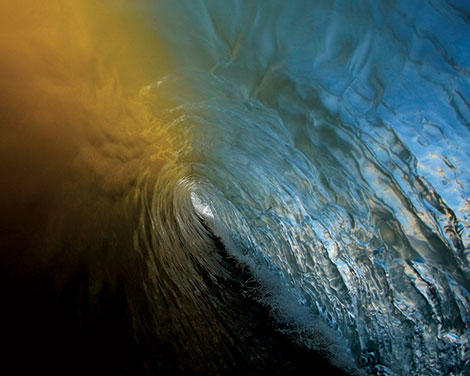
{"x":302,"y":163}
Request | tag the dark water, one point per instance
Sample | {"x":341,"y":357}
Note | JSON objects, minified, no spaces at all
{"x":236,"y":187}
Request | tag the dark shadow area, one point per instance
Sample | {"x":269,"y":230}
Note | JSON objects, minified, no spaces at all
{"x":74,"y":332}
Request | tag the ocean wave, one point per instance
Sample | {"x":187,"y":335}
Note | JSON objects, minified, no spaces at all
{"x":233,"y":187}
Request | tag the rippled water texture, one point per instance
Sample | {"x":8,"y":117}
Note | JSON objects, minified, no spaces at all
{"x":325,"y":143}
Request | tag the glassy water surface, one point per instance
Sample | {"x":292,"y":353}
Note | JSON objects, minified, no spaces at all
{"x":333,"y":145}
{"x":325,"y":142}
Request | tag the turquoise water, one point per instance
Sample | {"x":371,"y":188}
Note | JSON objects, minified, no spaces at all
{"x":332,"y":148}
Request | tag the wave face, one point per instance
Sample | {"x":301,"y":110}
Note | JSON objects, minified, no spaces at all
{"x":332,"y":145}
{"x":325,"y":143}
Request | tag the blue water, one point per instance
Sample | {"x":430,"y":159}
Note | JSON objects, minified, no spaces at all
{"x":228,"y":187}
{"x":330,"y":148}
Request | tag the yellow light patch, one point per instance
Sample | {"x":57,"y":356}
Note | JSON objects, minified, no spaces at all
{"x":75,"y":136}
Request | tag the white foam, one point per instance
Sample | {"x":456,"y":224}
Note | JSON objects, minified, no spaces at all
{"x":201,"y":207}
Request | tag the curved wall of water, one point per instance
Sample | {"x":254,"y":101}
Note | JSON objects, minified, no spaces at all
{"x":334,"y":137}
{"x":154,"y":154}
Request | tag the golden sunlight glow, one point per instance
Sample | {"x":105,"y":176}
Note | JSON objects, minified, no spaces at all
{"x":73,"y":131}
